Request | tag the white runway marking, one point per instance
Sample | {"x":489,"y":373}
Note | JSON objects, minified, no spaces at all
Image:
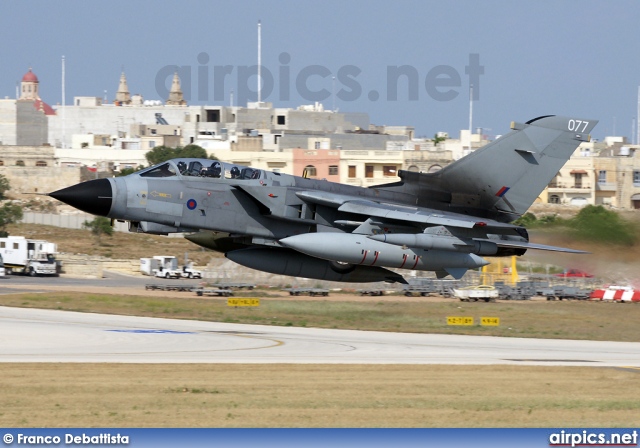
{"x":33,"y":335}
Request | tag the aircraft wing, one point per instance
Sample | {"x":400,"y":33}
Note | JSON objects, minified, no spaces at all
{"x":523,"y":245}
{"x":396,"y":212}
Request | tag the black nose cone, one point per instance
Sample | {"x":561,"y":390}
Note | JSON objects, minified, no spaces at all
{"x":94,"y":196}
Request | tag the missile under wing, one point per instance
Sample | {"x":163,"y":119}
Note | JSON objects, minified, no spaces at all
{"x":444,"y":222}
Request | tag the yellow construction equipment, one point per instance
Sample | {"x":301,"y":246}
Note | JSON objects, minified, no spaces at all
{"x":501,"y":269}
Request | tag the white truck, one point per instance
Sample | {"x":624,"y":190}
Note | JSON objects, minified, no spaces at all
{"x":26,"y":256}
{"x":164,"y":266}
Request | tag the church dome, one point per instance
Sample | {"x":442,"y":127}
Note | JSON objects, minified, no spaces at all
{"x":29,"y":77}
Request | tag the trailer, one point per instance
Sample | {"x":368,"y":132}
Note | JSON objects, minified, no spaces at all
{"x":28,"y":256}
{"x":521,"y":291}
{"x":236,"y":285}
{"x":182,"y":288}
{"x":307,"y":291}
{"x":213,"y":292}
{"x":560,"y":292}
{"x":371,"y":292}
{"x":426,"y":286}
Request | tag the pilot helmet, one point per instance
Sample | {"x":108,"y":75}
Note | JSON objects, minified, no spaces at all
{"x":235,"y":172}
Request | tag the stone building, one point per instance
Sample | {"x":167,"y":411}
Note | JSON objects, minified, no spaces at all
{"x":24,"y":121}
{"x":33,"y":170}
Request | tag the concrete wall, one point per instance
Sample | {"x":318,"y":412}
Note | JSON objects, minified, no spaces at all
{"x":107,"y":119}
{"x":22,"y":124}
{"x":94,"y":156}
{"x":343,"y":141}
{"x":31,"y":178}
{"x":89,"y":266}
{"x":31,"y":124}
{"x":8,"y":117}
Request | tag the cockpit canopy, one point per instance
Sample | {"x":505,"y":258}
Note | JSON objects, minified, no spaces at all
{"x":202,"y":168}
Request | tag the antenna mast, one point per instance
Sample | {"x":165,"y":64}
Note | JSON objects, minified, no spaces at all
{"x":470,"y":112}
{"x":638,"y":118}
{"x":259,"y":63}
{"x":63,"y":104}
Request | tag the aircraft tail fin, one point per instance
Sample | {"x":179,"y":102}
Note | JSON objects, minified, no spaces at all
{"x":502,"y":179}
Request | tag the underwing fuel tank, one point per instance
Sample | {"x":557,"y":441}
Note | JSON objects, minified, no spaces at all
{"x":363,"y":251}
{"x":438,"y":242}
{"x":289,"y":262}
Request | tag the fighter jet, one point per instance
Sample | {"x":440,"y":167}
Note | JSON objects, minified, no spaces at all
{"x":444,"y":222}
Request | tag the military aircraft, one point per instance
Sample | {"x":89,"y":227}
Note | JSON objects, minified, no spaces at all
{"x":443,"y":222}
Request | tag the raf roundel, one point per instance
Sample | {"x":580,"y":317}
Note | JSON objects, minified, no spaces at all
{"x":191,"y":204}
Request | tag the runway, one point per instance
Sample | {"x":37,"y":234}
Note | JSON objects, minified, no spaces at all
{"x":34,"y":335}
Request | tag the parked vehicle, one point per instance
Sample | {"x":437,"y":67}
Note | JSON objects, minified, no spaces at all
{"x":164,"y":266}
{"x":27,"y":256}
{"x":571,"y":273}
{"x":476,"y":293}
{"x":189,"y":272}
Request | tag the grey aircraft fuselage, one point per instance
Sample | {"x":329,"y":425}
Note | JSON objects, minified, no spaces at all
{"x":443,"y":222}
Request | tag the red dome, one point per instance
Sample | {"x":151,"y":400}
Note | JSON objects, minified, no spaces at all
{"x":29,"y":77}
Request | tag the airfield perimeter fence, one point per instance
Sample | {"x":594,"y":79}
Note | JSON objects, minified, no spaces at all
{"x":73,"y":221}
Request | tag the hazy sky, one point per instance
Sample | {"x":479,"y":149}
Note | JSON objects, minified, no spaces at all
{"x":579,"y":58}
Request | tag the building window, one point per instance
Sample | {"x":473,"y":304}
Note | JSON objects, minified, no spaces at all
{"x":389,"y":170}
{"x":434,"y":168}
{"x":152,"y":144}
{"x":309,"y":171}
{"x":19,"y":162}
{"x":153,"y":131}
{"x":368,"y":171}
{"x":578,"y":182}
{"x":602,"y":177}
{"x":333,"y":170}
{"x":282,"y":119}
{"x":554,"y":199}
{"x":16,"y":246}
{"x":316,"y":145}
{"x":352,"y":171}
{"x":41,"y":163}
{"x":1,"y":162}
{"x":213,"y":116}
{"x":414,"y":169}
{"x":636,"y":178}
